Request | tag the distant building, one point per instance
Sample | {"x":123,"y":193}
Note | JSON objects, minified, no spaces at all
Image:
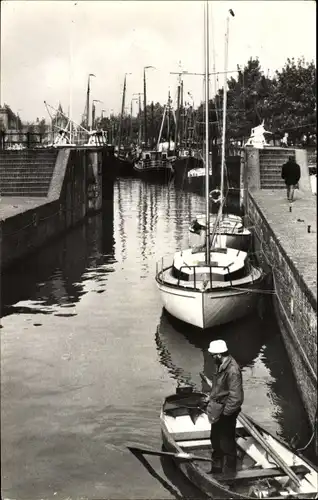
{"x":59,"y":121}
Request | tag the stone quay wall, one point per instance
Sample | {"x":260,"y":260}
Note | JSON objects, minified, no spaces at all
{"x":76,"y":190}
{"x":288,"y":250}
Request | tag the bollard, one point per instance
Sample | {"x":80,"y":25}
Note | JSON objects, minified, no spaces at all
{"x":308,"y":229}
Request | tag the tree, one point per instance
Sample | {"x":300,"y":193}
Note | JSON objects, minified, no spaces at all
{"x":293,"y":101}
{"x":247,"y":100}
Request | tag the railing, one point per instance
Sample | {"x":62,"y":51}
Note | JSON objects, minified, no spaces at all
{"x":148,"y":163}
{"x":161,"y":268}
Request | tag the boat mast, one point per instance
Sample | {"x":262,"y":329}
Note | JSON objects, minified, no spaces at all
{"x":139,"y":119}
{"x":161,"y":126}
{"x":152,"y":124}
{"x":182,"y":120}
{"x":122,"y":113}
{"x":207,"y":213}
{"x":131,"y":123}
{"x":87,"y":106}
{"x":87,"y":102}
{"x":70,"y":82}
{"x":224,"y":108}
{"x":168,"y":119}
{"x":178,"y":117}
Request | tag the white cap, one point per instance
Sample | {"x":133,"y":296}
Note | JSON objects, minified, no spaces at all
{"x":217,"y":347}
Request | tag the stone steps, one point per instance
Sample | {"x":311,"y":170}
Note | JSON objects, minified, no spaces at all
{"x":24,"y":192}
{"x":26,"y":173}
{"x":272,"y":185}
{"x":21,"y":171}
{"x":25,"y":182}
{"x":271,"y":162}
{"x":24,"y":164}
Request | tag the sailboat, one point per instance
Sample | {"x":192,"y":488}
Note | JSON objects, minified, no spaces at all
{"x":215,"y":286}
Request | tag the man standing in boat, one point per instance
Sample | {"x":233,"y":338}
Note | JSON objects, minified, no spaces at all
{"x":225,"y":401}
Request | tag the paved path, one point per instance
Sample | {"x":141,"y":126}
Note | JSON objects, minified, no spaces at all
{"x":11,"y":206}
{"x":291,"y":228}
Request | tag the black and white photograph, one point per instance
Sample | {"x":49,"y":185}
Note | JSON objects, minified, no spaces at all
{"x":158,"y":249}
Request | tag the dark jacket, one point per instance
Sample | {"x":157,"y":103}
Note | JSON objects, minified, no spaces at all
{"x":227,"y":386}
{"x":291,"y":172}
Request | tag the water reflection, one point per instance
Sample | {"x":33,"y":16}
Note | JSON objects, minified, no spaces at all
{"x":55,"y":275}
{"x":121,"y":225}
{"x":95,"y":380}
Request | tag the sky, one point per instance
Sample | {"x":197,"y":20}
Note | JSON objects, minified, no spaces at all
{"x":48,"y":48}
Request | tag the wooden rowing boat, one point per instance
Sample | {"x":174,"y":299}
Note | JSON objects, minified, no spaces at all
{"x":267,"y":467}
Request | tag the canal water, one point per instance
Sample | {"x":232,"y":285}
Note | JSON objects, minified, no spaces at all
{"x":88,"y":354}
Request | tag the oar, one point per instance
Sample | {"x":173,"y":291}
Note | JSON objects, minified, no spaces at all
{"x":259,"y":438}
{"x":180,"y":456}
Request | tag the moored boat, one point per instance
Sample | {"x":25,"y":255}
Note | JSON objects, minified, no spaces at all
{"x":207,"y":295}
{"x":155,"y":165}
{"x":125,"y":159}
{"x":267,"y":467}
{"x":219,"y":284}
{"x":230,"y":232}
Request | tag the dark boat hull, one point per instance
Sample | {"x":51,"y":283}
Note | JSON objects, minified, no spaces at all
{"x":124,"y":167}
{"x":183,"y":165}
{"x":163,"y":173}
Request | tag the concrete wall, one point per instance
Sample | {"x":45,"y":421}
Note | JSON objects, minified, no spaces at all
{"x":295,"y":307}
{"x":301,"y":157}
{"x":75,"y":191}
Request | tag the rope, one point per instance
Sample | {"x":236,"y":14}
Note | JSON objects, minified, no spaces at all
{"x":255,"y":290}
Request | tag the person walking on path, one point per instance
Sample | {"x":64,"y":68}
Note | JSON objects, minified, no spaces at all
{"x":291,"y":176}
{"x":225,"y":401}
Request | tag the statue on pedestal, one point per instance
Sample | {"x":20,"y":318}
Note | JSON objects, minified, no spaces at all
{"x":257,"y":138}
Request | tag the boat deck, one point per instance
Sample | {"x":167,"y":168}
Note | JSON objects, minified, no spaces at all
{"x":169,"y":279}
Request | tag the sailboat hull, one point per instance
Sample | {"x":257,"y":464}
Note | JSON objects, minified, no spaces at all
{"x":206,"y":309}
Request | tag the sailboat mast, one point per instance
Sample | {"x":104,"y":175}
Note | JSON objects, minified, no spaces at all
{"x":87,"y":106}
{"x":168,"y":119}
{"x":206,"y":53}
{"x":139,"y":120}
{"x":224,"y":112}
{"x":181,"y":114}
{"x":70,"y":82}
{"x":122,"y":114}
{"x":145,"y":110}
{"x":224,"y":106}
{"x":178,"y":118}
{"x":131,"y":122}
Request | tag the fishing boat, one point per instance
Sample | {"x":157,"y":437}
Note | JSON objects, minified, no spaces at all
{"x":158,"y":163}
{"x":267,"y":466}
{"x":154,"y":165}
{"x":230,"y":232}
{"x":214,"y":286}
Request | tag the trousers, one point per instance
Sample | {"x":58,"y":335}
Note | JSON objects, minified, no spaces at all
{"x":290,"y":191}
{"x":223,"y":441}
